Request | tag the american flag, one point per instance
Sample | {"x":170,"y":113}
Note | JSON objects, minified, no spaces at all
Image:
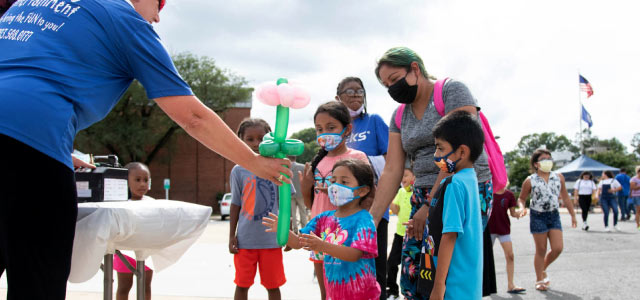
{"x":585,"y":86}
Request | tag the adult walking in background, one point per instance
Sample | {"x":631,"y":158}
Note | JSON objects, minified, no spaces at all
{"x":54,"y":83}
{"x":298,"y":220}
{"x":623,"y":194}
{"x":545,"y":188}
{"x":584,"y":190}
{"x":608,"y":188}
{"x":634,"y":187}
{"x":402,"y":71}
{"x":370,"y":135}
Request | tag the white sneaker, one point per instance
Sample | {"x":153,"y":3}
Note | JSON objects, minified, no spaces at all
{"x":617,"y":228}
{"x":607,"y":229}
{"x":585,"y":227}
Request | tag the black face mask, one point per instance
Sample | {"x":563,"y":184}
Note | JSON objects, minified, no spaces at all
{"x":402,"y":92}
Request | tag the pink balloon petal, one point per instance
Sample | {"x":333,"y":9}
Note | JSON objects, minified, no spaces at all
{"x":301,"y":98}
{"x":286,"y":93}
{"x":268,"y":94}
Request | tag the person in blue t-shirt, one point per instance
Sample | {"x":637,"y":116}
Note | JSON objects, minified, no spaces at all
{"x":455,"y":224}
{"x":370,"y":135}
{"x":63,"y":66}
{"x":623,"y":179}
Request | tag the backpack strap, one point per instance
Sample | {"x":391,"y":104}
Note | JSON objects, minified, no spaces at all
{"x":438,"y":100}
{"x":398,"y":118}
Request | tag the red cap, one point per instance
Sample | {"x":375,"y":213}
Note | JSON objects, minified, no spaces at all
{"x":161,"y":5}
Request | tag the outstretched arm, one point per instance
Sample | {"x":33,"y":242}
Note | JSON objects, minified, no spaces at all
{"x":206,"y":126}
{"x":271,"y":222}
{"x":390,"y":178}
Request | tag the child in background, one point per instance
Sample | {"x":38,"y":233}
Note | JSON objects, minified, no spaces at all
{"x":400,"y":206}
{"x":546,"y":188}
{"x":500,"y":228}
{"x":346,"y":236}
{"x":139,"y":185}
{"x":253,"y":198}
{"x":454,"y":215}
{"x":333,"y":126}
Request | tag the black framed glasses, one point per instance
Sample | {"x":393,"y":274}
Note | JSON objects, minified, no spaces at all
{"x":352,"y":92}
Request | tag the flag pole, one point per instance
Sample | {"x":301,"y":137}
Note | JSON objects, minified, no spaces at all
{"x":580,"y":115}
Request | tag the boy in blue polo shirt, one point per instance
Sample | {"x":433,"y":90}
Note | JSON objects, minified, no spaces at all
{"x":455,"y":224}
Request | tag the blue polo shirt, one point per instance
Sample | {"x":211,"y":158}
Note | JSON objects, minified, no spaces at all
{"x":65,"y":64}
{"x":623,"y":179}
{"x":370,"y":135}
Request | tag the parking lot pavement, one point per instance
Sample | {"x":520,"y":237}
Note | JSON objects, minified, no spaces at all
{"x":593,"y":265}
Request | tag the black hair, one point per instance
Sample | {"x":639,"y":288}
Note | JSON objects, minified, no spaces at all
{"x":344,"y":82}
{"x":361,"y":170}
{"x":460,"y":128}
{"x":135,"y":166}
{"x":252,"y":122}
{"x":586,"y":173}
{"x":338,"y":111}
{"x":535,"y":156}
{"x":609,"y":174}
{"x":623,"y":170}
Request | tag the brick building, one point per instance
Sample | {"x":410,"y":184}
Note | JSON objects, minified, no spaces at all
{"x":197,"y":174}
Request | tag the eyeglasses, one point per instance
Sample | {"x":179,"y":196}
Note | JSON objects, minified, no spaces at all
{"x":161,"y":4}
{"x":352,"y":92}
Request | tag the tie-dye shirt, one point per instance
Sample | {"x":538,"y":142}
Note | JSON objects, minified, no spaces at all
{"x":343,"y":279}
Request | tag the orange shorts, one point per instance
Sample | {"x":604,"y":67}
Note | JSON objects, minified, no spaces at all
{"x":269,"y":262}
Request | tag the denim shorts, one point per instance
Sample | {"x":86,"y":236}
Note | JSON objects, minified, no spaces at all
{"x":635,"y":201}
{"x":542,"y":222}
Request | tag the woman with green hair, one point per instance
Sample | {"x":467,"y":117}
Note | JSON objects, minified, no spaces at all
{"x":402,"y":71}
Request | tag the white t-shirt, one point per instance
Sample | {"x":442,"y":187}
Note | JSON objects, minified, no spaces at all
{"x":585,"y":187}
{"x":614,"y":183}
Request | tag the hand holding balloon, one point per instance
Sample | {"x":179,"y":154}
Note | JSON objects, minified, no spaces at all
{"x":283,"y":95}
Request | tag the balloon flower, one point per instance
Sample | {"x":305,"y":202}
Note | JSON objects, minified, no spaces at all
{"x":275,"y":144}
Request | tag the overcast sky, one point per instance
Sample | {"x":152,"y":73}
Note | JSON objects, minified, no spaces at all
{"x":519,"y":58}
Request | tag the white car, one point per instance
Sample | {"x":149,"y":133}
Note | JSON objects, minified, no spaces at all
{"x":225,"y":206}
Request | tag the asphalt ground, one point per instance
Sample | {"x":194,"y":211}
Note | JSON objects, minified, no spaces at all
{"x":594,"y":265}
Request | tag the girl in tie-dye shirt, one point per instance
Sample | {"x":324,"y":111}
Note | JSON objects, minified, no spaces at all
{"x":346,"y":236}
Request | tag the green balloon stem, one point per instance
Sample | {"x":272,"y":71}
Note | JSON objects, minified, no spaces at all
{"x":284,"y":190}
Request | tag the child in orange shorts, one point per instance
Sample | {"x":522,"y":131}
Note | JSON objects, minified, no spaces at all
{"x":252,"y":199}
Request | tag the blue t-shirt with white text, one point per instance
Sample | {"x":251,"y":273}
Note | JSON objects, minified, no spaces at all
{"x":370,"y":135}
{"x":65,"y":64}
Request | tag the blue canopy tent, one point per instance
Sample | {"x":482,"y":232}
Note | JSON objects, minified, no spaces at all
{"x":583,"y":163}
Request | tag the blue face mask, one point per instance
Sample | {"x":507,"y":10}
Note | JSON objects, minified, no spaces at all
{"x":445,"y":164}
{"x":340,"y":194}
{"x":330,"y":141}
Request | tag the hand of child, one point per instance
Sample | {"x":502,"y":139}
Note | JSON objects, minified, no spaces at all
{"x":574,"y":222}
{"x":419,"y":222}
{"x":271,"y":222}
{"x":306,"y":178}
{"x":233,"y":245}
{"x":311,"y":242}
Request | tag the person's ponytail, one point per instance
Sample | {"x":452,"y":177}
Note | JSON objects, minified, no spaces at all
{"x":314,"y":165}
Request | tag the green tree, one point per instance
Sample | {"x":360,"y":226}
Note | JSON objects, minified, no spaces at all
{"x":308,"y":137}
{"x":635,"y":143}
{"x":549,"y":140}
{"x":518,"y":170}
{"x":136,"y":128}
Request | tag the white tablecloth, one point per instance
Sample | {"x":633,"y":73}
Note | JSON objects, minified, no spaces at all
{"x":160,"y":229}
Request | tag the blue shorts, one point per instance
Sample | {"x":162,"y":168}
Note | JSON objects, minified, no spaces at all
{"x":635,"y":201}
{"x":542,"y":222}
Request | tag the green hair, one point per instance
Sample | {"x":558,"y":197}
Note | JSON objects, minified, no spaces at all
{"x":401,"y":57}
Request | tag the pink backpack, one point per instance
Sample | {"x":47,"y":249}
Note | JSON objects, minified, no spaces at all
{"x":491,"y":147}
